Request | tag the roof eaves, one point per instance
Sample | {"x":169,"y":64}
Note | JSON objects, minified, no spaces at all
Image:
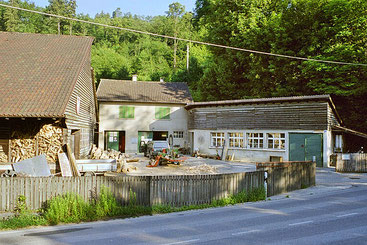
{"x":256,"y":101}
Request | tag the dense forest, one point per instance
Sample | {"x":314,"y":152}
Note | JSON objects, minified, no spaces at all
{"x":334,"y":30}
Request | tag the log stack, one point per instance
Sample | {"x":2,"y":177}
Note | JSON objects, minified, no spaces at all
{"x":47,"y":141}
{"x":98,"y":153}
{"x":50,"y":142}
{"x":3,"y":157}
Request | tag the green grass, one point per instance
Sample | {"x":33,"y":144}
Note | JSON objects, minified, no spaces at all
{"x":71,"y":208}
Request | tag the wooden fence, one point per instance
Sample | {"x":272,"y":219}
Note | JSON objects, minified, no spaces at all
{"x":288,"y":176}
{"x":352,"y":162}
{"x":149,"y":190}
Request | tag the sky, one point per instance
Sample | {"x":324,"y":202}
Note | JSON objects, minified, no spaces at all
{"x":138,"y":7}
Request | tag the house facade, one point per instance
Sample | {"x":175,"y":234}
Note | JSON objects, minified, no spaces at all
{"x":270,"y":129}
{"x":47,"y":93}
{"x":132,"y":112}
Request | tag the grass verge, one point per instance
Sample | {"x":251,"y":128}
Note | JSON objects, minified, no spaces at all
{"x":71,"y":208}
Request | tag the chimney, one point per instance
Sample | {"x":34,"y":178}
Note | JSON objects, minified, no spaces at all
{"x":135,"y":78}
{"x":161,"y":80}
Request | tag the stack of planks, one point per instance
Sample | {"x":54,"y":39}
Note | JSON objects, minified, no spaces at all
{"x":47,"y":141}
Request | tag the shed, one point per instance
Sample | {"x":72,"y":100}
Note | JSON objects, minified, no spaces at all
{"x":298,"y":128}
{"x":47,"y":95}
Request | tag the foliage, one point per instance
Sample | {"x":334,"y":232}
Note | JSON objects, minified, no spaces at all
{"x":68,"y":208}
{"x":106,"y":204}
{"x":21,"y":221}
{"x":71,"y":208}
{"x":318,"y":29}
{"x":21,"y":205}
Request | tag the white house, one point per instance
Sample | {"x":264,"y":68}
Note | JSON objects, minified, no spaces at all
{"x":135,"y":111}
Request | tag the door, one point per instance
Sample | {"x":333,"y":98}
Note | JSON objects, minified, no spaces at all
{"x":76,"y":140}
{"x":304,"y":147}
{"x":122,"y":143}
{"x":112,"y":140}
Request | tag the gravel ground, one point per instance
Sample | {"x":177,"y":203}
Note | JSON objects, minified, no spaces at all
{"x":191,"y":166}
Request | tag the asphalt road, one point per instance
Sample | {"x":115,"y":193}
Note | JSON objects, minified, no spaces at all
{"x":333,"y":212}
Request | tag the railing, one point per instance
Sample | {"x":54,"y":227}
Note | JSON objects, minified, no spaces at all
{"x":149,"y":190}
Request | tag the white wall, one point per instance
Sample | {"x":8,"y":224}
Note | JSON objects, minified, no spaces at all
{"x":144,"y":120}
{"x":202,"y":143}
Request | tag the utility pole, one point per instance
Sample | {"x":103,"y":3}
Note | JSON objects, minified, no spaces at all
{"x":187,"y":56}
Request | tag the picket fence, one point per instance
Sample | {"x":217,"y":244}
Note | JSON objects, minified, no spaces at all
{"x":143,"y":190}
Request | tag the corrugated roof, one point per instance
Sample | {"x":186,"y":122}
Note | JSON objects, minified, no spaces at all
{"x":258,"y":100}
{"x":38,"y":72}
{"x":130,"y":91}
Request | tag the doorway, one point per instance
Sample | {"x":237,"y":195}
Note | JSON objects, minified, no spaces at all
{"x":75,"y":136}
{"x":304,"y":147}
{"x":115,"y":140}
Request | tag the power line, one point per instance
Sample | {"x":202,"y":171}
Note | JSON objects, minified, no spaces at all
{"x":185,"y":40}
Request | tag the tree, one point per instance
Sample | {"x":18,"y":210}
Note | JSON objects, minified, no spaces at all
{"x":175,"y":12}
{"x":319,"y":29}
{"x":11,"y":17}
{"x":117,"y":13}
{"x":64,"y":8}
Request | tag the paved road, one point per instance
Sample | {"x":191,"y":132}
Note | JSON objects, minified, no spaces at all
{"x":333,"y":212}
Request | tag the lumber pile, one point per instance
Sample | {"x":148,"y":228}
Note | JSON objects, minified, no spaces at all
{"x":98,"y":153}
{"x":47,"y":141}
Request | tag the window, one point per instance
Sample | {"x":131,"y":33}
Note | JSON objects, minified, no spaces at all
{"x":255,"y":140}
{"x":126,"y":112}
{"x":216,"y":139}
{"x":162,"y":112}
{"x":276,"y":140}
{"x":235,"y":140}
{"x":178,"y":134}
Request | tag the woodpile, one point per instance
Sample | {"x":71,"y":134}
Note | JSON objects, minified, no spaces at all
{"x":3,"y":157}
{"x":50,"y":142}
{"x":98,"y":153}
{"x":47,"y":141}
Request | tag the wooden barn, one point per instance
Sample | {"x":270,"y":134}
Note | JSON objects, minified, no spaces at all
{"x":269,"y":129}
{"x":47,"y":95}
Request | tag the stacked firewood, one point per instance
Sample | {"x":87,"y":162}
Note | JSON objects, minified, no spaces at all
{"x":22,"y":146}
{"x":48,"y":141}
{"x":3,"y":157}
{"x":98,"y":153}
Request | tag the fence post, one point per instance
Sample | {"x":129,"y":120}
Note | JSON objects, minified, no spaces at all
{"x":266,"y":183}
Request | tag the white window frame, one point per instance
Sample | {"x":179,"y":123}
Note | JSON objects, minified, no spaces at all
{"x":178,"y":134}
{"x":235,"y":139}
{"x":278,"y":142}
{"x":217,"y":139}
{"x":254,"y":139}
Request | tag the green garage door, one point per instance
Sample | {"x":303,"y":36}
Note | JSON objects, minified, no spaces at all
{"x":303,"y":147}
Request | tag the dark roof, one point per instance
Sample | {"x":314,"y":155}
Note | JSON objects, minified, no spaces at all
{"x":38,"y":72}
{"x":130,"y":91}
{"x":258,"y":101}
{"x":326,"y":98}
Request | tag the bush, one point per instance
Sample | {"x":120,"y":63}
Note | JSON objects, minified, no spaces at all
{"x":68,"y":208}
{"x":106,"y":204}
